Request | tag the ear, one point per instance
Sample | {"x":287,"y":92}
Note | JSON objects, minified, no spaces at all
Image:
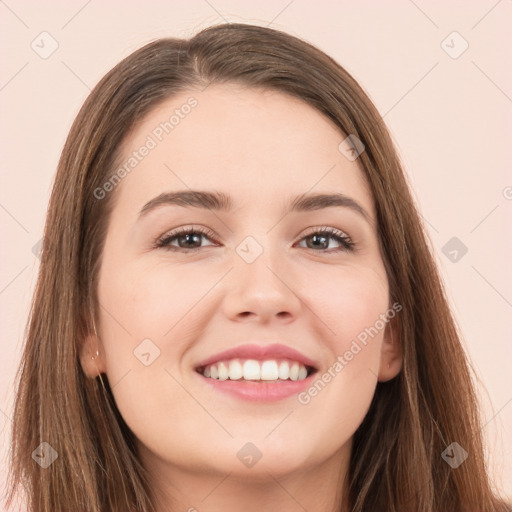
{"x":391,"y":351}
{"x":92,"y":356}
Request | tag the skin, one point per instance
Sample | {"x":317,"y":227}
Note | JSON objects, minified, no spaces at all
{"x":261,"y":148}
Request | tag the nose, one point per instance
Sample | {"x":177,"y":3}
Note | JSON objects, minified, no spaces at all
{"x":262,"y":290}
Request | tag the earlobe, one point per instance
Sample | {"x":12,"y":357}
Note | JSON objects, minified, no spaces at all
{"x":91,"y":356}
{"x":391,"y":352}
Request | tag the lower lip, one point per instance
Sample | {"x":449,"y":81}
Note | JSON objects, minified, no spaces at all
{"x":259,"y":391}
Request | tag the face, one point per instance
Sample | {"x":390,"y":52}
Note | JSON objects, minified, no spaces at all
{"x":180,"y":283}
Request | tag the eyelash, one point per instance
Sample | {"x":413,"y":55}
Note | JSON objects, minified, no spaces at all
{"x":164,"y":242}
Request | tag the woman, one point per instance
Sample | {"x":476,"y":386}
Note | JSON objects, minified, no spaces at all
{"x":305,"y":358}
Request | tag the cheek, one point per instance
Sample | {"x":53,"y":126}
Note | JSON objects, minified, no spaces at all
{"x":352,"y":305}
{"x":148,"y":319}
{"x":149,"y":303}
{"x":349,"y":301}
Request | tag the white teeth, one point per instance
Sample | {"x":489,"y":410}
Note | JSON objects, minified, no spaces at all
{"x":223,"y":372}
{"x":251,"y":369}
{"x":294,"y":371}
{"x":235,"y":370}
{"x":269,"y":371}
{"x":284,"y":371}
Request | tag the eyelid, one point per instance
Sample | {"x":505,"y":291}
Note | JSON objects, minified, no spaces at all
{"x":326,"y":229}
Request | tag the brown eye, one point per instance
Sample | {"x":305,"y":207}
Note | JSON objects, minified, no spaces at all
{"x":319,"y":240}
{"x":188,"y":239}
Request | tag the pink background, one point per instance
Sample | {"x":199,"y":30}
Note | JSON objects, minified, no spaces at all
{"x":450,"y":118}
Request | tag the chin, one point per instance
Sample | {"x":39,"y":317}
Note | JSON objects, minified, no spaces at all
{"x":261,"y":456}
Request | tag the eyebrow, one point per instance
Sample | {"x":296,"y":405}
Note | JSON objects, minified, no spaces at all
{"x":219,"y":201}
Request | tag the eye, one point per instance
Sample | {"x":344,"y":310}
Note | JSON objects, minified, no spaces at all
{"x":320,"y":239}
{"x":187,"y":239}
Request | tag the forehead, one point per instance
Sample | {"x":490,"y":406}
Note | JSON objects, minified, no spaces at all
{"x":255,"y":145}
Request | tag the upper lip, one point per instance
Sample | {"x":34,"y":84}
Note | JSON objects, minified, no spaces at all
{"x":260,"y":353}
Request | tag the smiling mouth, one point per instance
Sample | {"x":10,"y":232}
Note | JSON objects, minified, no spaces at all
{"x":252,"y":370}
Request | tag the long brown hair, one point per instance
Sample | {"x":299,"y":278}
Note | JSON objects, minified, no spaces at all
{"x":396,"y":462}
